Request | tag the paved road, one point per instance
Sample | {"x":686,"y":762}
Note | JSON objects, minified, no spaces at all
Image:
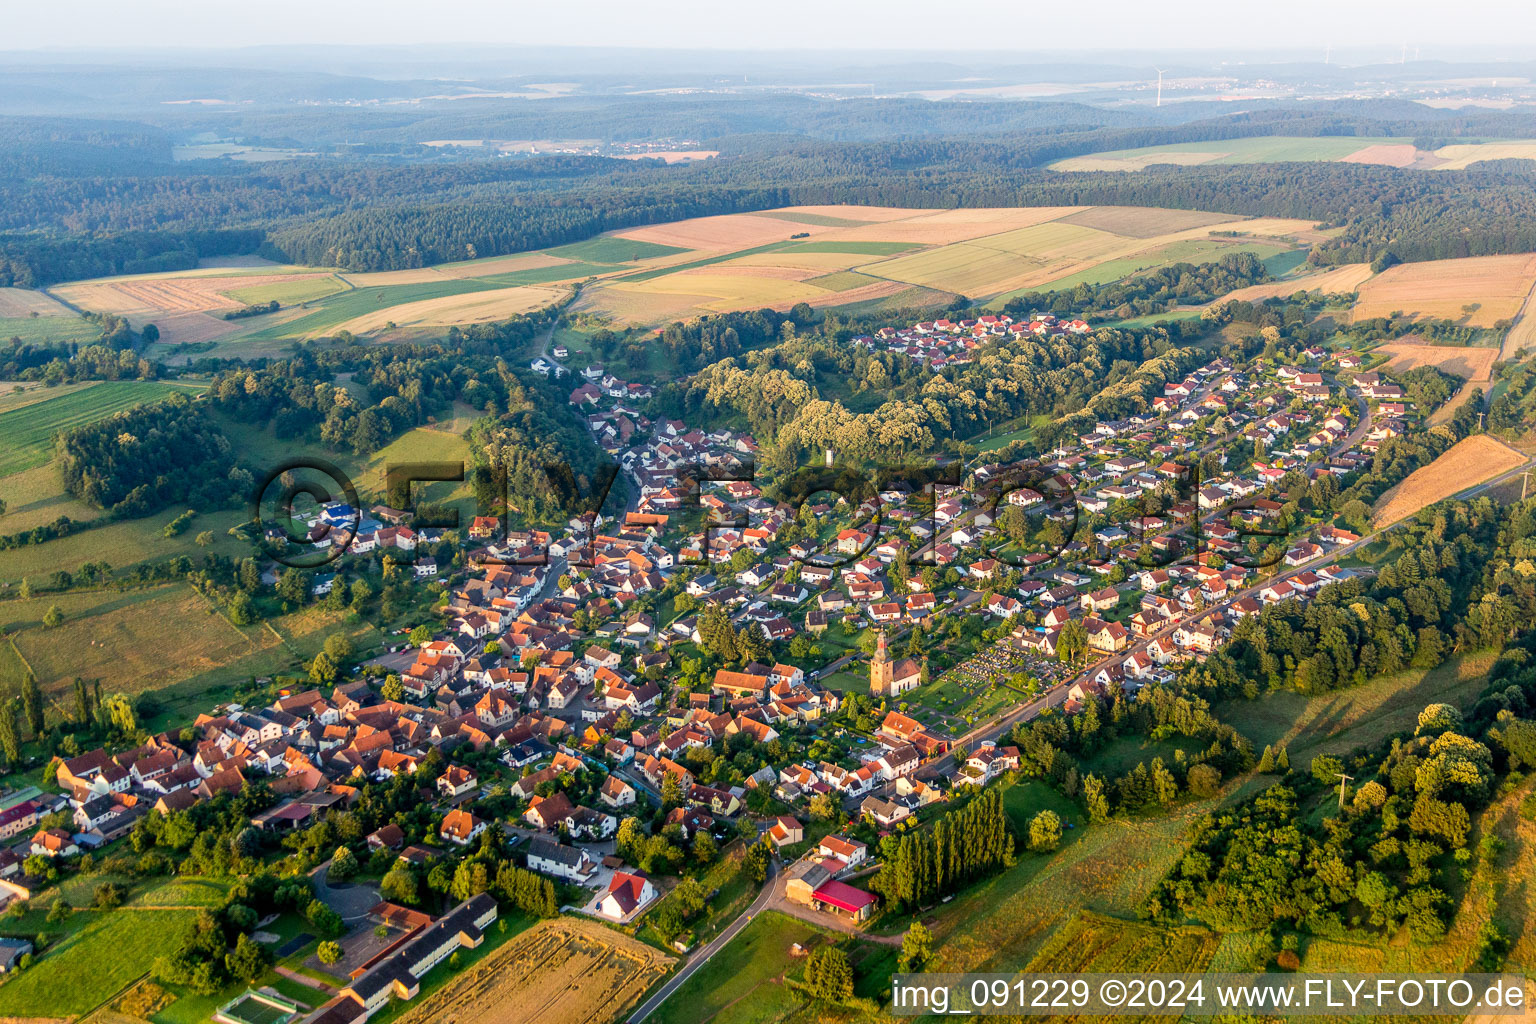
{"x":701,"y":956}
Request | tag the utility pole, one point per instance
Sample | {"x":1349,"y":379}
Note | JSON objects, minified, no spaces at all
{"x":1342,"y":780}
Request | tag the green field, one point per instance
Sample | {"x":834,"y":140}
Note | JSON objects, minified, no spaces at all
{"x":338,"y":309}
{"x":547,"y":275}
{"x":1337,"y":722}
{"x":610,"y":249}
{"x":41,"y":330}
{"x":92,"y":962}
{"x":856,"y":248}
{"x":743,"y":983}
{"x":289,"y":293}
{"x":26,"y":433}
{"x":843,"y":280}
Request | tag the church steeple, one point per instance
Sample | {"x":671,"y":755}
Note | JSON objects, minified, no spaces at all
{"x":881,"y":654}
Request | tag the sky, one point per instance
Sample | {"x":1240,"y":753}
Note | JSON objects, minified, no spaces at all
{"x":1506,"y":27}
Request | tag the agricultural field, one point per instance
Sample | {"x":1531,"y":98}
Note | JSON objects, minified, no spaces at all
{"x":91,"y":962}
{"x":1391,"y":152}
{"x":1469,"y":462}
{"x":121,"y":638}
{"x":1477,"y":291}
{"x":16,"y":303}
{"x":563,"y":971}
{"x":858,"y":258}
{"x":29,"y":421}
{"x":44,"y":330}
{"x":1334,"y":723}
{"x":744,"y":981}
{"x":1339,"y":280}
{"x":1475,"y":364}
{"x":1522,"y":333}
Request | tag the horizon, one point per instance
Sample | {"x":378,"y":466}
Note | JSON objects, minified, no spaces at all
{"x":905,"y":26}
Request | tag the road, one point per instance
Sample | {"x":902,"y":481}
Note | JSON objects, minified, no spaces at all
{"x":702,"y":956}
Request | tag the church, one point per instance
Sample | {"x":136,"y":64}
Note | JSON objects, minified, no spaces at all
{"x":891,"y":679}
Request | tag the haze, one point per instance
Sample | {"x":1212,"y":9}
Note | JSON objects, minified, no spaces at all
{"x":1372,"y":31}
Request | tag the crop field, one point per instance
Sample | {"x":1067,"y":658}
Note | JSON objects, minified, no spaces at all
{"x":1194,"y":251}
{"x":473,"y":308}
{"x":23,"y":302}
{"x":651,"y":275}
{"x":26,"y":433}
{"x":1497,"y":286}
{"x":191,"y":293}
{"x":559,"y":972}
{"x":145,"y":639}
{"x":42,"y":330}
{"x":1470,"y":461}
{"x":1475,"y":364}
{"x":92,"y":962}
{"x":1387,"y":152}
{"x":1339,"y":280}
{"x":1459,"y":157}
{"x":1522,"y":334}
{"x":1143,"y":221}
{"x":613,"y":249}
{"x":289,"y":292}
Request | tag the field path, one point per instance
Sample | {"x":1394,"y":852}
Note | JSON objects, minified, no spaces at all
{"x":702,"y":957}
{"x":1521,"y":333}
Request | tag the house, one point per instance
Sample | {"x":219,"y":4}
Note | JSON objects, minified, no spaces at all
{"x":54,"y":842}
{"x":628,"y":893}
{"x":615,"y":792}
{"x":461,"y":827}
{"x":786,"y":831}
{"x":884,"y":812}
{"x":386,"y":837}
{"x":456,"y":781}
{"x":850,"y":851}
{"x":551,"y":858}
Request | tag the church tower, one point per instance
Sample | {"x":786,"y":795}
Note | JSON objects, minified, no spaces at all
{"x":880,"y":670}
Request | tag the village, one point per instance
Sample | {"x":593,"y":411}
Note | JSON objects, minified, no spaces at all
{"x":713,"y":662}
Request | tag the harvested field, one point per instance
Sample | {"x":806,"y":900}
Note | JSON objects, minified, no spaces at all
{"x":1262,"y":149}
{"x":1498,"y":285}
{"x":1460,"y":157}
{"x":863,"y":293}
{"x":1144,"y":221}
{"x":468,"y":308}
{"x":1475,"y":364}
{"x":1001,"y":262}
{"x":559,"y":972}
{"x":20,"y":302}
{"x":1339,"y":280}
{"x":718,"y":234}
{"x":673,"y":156}
{"x":1391,"y":154}
{"x":1522,"y":334}
{"x":1469,"y":462}
{"x":947,"y":227}
{"x":868,"y":214}
{"x":819,"y":262}
{"x":501,"y":265}
{"x":192,"y":292}
{"x":188,"y":328}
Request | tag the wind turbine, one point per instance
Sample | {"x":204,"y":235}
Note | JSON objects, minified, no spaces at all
{"x":1159,"y":87}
